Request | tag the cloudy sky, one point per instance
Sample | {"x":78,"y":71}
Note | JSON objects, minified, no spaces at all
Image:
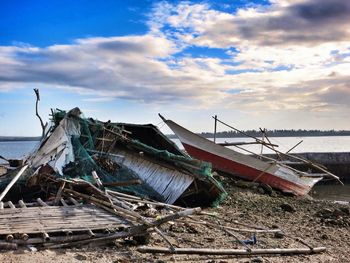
{"x":273,"y":64}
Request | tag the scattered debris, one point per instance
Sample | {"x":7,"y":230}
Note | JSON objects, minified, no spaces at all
{"x":92,"y":183}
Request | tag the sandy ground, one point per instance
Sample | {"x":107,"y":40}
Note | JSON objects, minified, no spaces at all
{"x":318,"y":223}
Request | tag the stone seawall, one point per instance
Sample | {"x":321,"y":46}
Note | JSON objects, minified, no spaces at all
{"x":337,"y":163}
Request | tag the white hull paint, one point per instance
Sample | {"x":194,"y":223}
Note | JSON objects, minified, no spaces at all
{"x":238,"y":164}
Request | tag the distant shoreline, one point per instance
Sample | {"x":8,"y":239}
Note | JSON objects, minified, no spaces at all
{"x":18,"y":139}
{"x":274,"y":133}
{"x":225,"y":134}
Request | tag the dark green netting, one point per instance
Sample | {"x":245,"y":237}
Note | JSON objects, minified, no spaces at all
{"x":88,"y":159}
{"x":86,"y":163}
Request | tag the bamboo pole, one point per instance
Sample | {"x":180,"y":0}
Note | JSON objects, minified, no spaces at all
{"x":209,"y":251}
{"x":11,"y":205}
{"x":286,"y":154}
{"x":7,"y":246}
{"x":215,"y":124}
{"x":105,"y":203}
{"x":55,"y":239}
{"x":123,"y":183}
{"x":22,"y":204}
{"x":59,"y":193}
{"x":41,"y":202}
{"x":233,"y":228}
{"x":242,"y":143}
{"x":13,"y":181}
{"x":294,"y":147}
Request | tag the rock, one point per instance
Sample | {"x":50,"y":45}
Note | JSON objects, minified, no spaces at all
{"x":142,"y":239}
{"x":279,"y":235}
{"x":345,"y":210}
{"x":257,"y":260}
{"x":324,"y":237}
{"x":338,"y":213}
{"x":80,"y":257}
{"x":261,"y":190}
{"x":273,"y":194}
{"x":288,"y":208}
{"x":268,"y":189}
{"x":324,"y":213}
{"x":245,"y":184}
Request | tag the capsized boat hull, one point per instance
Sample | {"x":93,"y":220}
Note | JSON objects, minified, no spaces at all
{"x":241,"y":165}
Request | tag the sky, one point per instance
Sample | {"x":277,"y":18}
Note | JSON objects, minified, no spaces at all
{"x":278,"y":64}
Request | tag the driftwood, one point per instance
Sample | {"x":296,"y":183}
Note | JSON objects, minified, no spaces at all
{"x":232,"y":228}
{"x":209,"y":251}
{"x":55,"y":239}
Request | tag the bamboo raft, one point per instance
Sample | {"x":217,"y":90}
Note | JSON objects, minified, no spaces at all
{"x":44,"y":220}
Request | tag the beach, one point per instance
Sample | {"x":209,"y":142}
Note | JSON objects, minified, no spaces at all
{"x":316,"y":223}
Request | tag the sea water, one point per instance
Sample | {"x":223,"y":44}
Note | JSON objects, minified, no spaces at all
{"x":18,"y":149}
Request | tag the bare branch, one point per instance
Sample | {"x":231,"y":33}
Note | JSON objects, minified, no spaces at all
{"x":37,"y":113}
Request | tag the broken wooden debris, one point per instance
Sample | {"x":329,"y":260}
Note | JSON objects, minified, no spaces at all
{"x":209,"y":251}
{"x":92,"y":178}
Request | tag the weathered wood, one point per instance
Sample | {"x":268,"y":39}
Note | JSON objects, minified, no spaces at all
{"x":55,"y":239}
{"x":46,"y":237}
{"x":164,"y":237}
{"x":90,"y":233}
{"x":75,"y":202}
{"x":132,"y":231}
{"x":9,"y":238}
{"x":63,"y":202}
{"x":7,"y":246}
{"x":209,"y":251}
{"x":59,"y":193}
{"x":11,"y":205}
{"x":41,"y":202}
{"x":123,"y":183}
{"x":22,"y":204}
{"x":24,"y":237}
{"x":232,"y":228}
{"x":97,"y":179}
{"x":122,"y":211}
{"x":35,"y":220}
{"x":13,"y":181}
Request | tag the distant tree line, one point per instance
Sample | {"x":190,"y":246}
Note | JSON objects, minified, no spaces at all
{"x":15,"y":138}
{"x":274,"y":133}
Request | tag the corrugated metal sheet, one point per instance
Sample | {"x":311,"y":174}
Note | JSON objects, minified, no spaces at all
{"x":169,"y":183}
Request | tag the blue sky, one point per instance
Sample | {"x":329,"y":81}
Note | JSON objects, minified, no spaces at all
{"x":274,"y":64}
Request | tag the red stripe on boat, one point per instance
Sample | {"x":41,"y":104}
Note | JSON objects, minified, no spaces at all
{"x":244,"y":171}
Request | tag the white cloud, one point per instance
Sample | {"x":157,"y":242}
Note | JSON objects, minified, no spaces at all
{"x":277,"y":65}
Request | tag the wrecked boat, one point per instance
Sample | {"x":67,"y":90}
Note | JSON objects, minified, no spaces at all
{"x":135,"y":159}
{"x":275,"y":174}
